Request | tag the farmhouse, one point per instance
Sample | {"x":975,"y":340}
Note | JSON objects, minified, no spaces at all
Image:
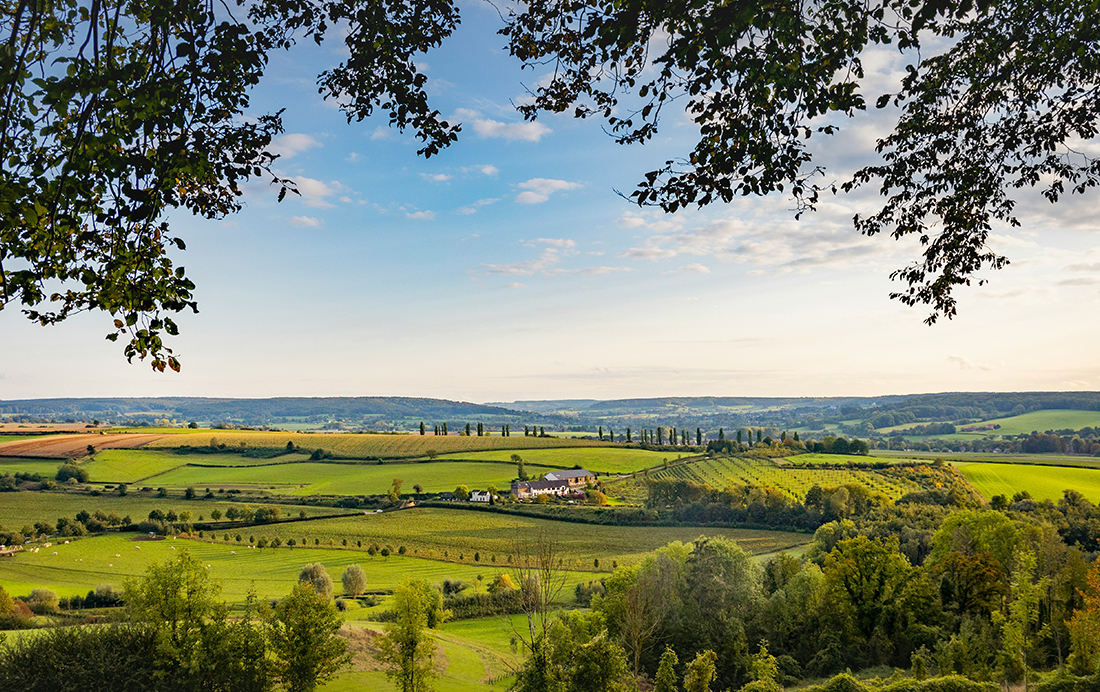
{"x":576,"y":478}
{"x":479,"y":496}
{"x":525,"y":490}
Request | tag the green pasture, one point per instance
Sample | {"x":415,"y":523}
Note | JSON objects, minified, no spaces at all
{"x":85,"y":563}
{"x":47,"y":468}
{"x":1041,"y":421}
{"x":136,"y":465}
{"x":603,"y":459}
{"x":974,"y":457}
{"x":20,"y":508}
{"x":457,"y":535}
{"x":313,"y":478}
{"x":1043,"y":482}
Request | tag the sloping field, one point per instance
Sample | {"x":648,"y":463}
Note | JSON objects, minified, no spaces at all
{"x":1043,"y":482}
{"x":355,"y":446}
{"x":1041,"y":421}
{"x":451,"y":533}
{"x":312,"y":478}
{"x":603,"y":459}
{"x":46,"y":468}
{"x":794,"y":481}
{"x":73,"y":446}
{"x":21,"y":508}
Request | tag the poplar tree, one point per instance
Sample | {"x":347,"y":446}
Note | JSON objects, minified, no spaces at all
{"x":467,"y":430}
{"x":660,"y":436}
{"x":628,"y":435}
{"x":612,"y":433}
{"x":738,"y":437}
{"x":421,"y":427}
{"x":699,"y":436}
{"x":601,"y":432}
{"x":722,"y":435}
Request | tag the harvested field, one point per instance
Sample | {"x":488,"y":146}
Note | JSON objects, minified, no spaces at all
{"x":355,"y":446}
{"x":73,"y":446}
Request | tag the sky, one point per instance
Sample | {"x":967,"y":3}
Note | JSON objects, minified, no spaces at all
{"x":508,"y":268}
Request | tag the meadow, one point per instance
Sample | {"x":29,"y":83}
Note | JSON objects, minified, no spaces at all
{"x":365,"y":446}
{"x":602,"y":459}
{"x":1023,"y":424}
{"x":82,"y":564}
{"x":1043,"y":482}
{"x":46,"y":468}
{"x":310,"y":478}
{"x":460,"y":535}
{"x":136,"y":465}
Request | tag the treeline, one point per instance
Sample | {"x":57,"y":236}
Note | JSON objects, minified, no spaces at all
{"x":1085,"y":442}
{"x":967,"y":596}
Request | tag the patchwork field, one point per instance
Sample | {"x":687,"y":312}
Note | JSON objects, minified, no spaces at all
{"x":1043,"y":482}
{"x":356,"y":446}
{"x":134,"y":465}
{"x":454,"y":534}
{"x":311,"y":478}
{"x":1036,"y":421}
{"x":602,"y":459}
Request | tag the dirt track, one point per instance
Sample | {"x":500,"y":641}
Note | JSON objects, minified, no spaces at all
{"x":72,"y":446}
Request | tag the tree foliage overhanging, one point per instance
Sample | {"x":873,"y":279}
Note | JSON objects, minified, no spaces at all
{"x":116,"y":113}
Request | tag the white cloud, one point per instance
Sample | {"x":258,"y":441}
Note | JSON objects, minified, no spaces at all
{"x":1095,"y":267}
{"x":1082,"y":281}
{"x":472,"y":208}
{"x":305,"y":221}
{"x":290,"y":145}
{"x":489,"y":170}
{"x":516,"y":284}
{"x":557,"y":242}
{"x":315,"y":192}
{"x":436,"y":177}
{"x":427,"y":215}
{"x":538,"y":190}
{"x":352,"y":157}
{"x":486,"y":127}
{"x":381,"y":132}
{"x":967,"y":364}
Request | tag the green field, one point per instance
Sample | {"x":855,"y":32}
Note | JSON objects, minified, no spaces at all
{"x":793,"y":479}
{"x":20,"y":508}
{"x":603,"y":459}
{"x":973,"y":457}
{"x":312,"y":478}
{"x":1036,"y":421}
{"x":45,"y":468}
{"x":454,"y":534}
{"x":135,"y":465}
{"x":363,"y":446}
{"x":85,"y":563}
{"x":1043,"y":482}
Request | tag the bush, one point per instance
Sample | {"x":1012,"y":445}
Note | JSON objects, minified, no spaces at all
{"x":43,"y":601}
{"x":317,"y":575}
{"x":71,"y":471}
{"x":354,"y":580}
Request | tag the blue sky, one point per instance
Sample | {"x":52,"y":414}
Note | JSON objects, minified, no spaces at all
{"x":507,"y":268}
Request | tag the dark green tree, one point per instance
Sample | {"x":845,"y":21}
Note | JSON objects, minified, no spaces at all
{"x":422,"y":429}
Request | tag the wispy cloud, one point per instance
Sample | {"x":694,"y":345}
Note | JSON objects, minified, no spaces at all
{"x":305,"y":221}
{"x":472,"y":208}
{"x":426,"y":215}
{"x":967,"y":364}
{"x":547,"y":265}
{"x":693,"y":268}
{"x":538,"y":190}
{"x":315,"y":193}
{"x":435,"y":177}
{"x":1094,"y":267}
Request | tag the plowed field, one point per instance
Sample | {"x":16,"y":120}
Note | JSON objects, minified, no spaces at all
{"x":72,"y":446}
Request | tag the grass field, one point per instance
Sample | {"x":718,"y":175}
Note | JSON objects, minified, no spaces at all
{"x":134,"y":465}
{"x":454,"y":534}
{"x":356,"y":446}
{"x":1036,"y":421}
{"x":345,"y":479}
{"x":85,"y":563}
{"x":1043,"y":482}
{"x":973,"y":457}
{"x":20,"y":508}
{"x":603,"y":459}
{"x":43,"y":467}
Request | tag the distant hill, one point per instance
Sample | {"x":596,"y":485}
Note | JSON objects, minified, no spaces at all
{"x":259,"y":411}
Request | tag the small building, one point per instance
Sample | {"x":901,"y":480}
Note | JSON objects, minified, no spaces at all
{"x":447,"y":497}
{"x":479,"y":496}
{"x":576,"y":478}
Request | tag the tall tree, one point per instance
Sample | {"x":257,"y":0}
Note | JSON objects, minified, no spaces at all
{"x":303,"y":629}
{"x":699,"y":437}
{"x":665,"y":680}
{"x":421,"y":427}
{"x":407,"y":650}
{"x":601,"y":432}
{"x":1019,"y":633}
